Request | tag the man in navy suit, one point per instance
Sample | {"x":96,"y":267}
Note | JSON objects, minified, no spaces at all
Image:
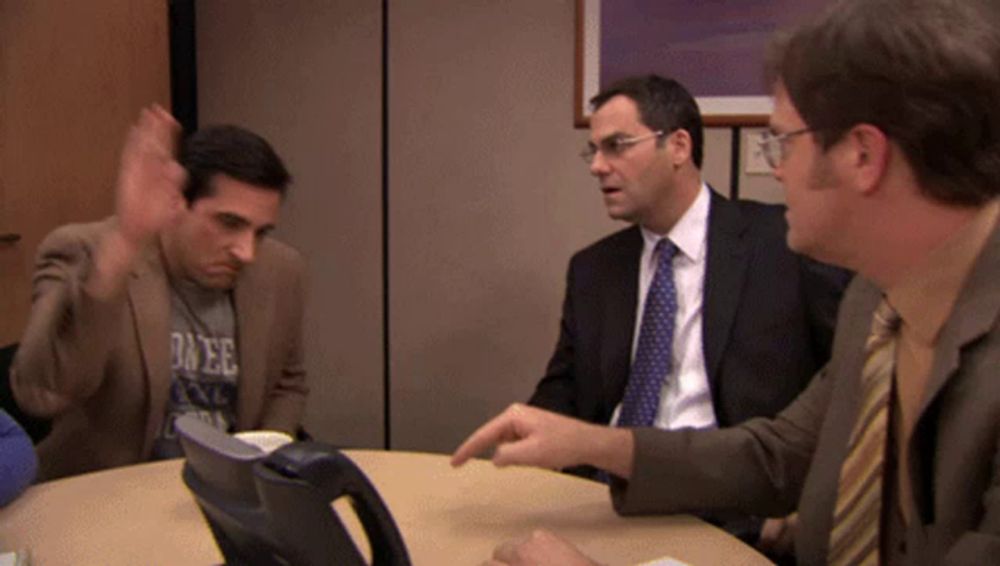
{"x":753,"y":320}
{"x":886,"y":139}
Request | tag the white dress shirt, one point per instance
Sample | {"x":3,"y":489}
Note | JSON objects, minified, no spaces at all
{"x":685,"y":400}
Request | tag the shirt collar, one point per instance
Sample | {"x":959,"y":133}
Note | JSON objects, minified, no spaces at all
{"x":927,"y":293}
{"x":690,"y":232}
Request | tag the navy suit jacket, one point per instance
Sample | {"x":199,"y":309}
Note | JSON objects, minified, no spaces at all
{"x":768,"y":317}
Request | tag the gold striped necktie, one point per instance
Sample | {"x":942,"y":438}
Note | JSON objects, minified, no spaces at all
{"x":857,"y":516}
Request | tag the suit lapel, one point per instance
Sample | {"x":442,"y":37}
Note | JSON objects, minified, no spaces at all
{"x":251,"y":305}
{"x":725,"y":270}
{"x":149,"y":302}
{"x":975,"y":313}
{"x":621,"y":291}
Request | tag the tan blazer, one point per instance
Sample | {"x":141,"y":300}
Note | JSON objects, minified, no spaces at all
{"x":101,"y":370}
{"x":769,"y":466}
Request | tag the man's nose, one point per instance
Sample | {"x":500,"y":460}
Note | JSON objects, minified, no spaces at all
{"x":778,"y":172}
{"x":599,"y":165}
{"x":245,"y":247}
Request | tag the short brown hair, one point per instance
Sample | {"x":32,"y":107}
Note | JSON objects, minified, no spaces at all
{"x":925,"y":72}
{"x":232,"y":151}
{"x":663,"y":104}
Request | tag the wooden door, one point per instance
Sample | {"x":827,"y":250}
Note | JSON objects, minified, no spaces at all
{"x":73,"y":76}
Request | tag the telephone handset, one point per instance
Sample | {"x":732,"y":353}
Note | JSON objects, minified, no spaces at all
{"x":302,"y":479}
{"x":276,"y":509}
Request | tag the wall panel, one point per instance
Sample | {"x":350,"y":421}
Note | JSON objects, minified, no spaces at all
{"x":488,"y":199}
{"x":73,"y":76}
{"x":306,"y":74}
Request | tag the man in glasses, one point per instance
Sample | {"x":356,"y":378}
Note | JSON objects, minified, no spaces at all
{"x":697,"y":315}
{"x":886,"y":137}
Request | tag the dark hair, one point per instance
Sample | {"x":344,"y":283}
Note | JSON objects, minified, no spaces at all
{"x":232,"y":151}
{"x":664,"y":104}
{"x":925,"y":72}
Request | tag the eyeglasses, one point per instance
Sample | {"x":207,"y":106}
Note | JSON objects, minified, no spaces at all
{"x":775,"y":146}
{"x":615,"y":146}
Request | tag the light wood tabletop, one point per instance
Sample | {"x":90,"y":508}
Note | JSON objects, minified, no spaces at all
{"x":144,"y":514}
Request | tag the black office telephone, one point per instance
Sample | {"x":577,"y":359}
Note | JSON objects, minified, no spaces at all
{"x":275,"y":509}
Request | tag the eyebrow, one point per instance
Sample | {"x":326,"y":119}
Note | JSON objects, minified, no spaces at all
{"x":243,"y":222}
{"x":230,"y":217}
{"x":609,"y":137}
{"x":779,"y":127}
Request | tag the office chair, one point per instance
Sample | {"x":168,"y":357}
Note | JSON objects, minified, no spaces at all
{"x":36,"y":428}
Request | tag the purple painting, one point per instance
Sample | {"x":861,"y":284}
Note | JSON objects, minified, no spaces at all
{"x":714,"y":47}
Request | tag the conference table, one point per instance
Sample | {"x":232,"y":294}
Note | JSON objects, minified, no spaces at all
{"x":144,"y":514}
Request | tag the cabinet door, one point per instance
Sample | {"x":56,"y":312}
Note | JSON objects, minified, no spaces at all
{"x":73,"y":76}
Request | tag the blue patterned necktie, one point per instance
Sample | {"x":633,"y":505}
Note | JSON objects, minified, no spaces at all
{"x":654,"y":353}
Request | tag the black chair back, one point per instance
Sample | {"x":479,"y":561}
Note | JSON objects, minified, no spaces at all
{"x":36,"y":428}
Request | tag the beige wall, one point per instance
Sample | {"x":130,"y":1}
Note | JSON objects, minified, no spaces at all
{"x":488,"y":199}
{"x":487,"y":196}
{"x":307,"y":76}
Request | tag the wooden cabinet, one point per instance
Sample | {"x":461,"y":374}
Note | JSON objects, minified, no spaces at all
{"x":73,"y":76}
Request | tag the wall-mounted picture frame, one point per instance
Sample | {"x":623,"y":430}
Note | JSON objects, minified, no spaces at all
{"x":715,"y":49}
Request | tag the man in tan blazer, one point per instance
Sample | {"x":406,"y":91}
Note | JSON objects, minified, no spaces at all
{"x":179,"y":303}
{"x":886,"y":136}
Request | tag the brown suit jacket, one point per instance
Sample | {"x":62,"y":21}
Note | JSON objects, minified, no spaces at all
{"x":101,"y":370}
{"x":769,"y":466}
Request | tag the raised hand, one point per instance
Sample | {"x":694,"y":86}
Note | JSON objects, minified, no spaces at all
{"x":150,"y":181}
{"x":148,"y":198}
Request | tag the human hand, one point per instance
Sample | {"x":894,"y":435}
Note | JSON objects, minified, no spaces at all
{"x":542,"y":548}
{"x":148,"y":197}
{"x":777,"y":535}
{"x":150,"y":180}
{"x":529,"y":436}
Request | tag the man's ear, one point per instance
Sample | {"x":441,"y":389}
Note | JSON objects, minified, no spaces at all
{"x":868,"y":151}
{"x":680,"y":145}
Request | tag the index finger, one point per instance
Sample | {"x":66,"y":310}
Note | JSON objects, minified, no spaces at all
{"x":495,"y":431}
{"x":163,"y":116}
{"x":159,"y":127}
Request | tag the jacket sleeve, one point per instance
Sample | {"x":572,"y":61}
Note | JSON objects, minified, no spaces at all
{"x":823,"y":287}
{"x":19,"y":463}
{"x":66,"y":344}
{"x":758,"y":467}
{"x":557,"y":389}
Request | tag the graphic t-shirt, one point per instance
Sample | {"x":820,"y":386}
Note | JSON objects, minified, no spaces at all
{"x":204,"y":360}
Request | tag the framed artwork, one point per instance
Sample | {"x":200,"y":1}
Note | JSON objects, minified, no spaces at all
{"x":715,"y":48}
